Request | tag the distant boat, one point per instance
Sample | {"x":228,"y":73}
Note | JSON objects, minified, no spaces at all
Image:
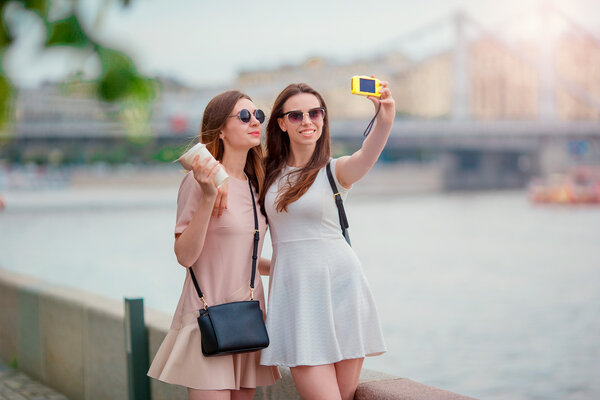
{"x":580,"y":185}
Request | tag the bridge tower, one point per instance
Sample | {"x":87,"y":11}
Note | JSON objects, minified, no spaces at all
{"x":546,"y":66}
{"x":460,"y":73}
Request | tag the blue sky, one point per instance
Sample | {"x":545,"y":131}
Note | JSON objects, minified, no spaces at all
{"x":208,"y":42}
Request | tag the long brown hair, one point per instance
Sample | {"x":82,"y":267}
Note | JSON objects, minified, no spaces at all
{"x":215,"y":116}
{"x":278,"y":152}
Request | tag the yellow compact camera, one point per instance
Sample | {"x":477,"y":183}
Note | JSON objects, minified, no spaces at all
{"x":366,"y":86}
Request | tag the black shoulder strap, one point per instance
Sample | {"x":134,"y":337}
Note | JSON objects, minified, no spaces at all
{"x":254,"y":253}
{"x":340,"y":205}
{"x":256,"y":240}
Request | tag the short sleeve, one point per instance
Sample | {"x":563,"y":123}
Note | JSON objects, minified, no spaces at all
{"x":341,"y":189}
{"x":188,"y":199}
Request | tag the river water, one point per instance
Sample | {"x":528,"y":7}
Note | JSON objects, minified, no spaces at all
{"x":483,"y":294}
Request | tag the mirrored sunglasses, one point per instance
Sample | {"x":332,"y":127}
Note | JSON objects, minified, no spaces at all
{"x":245,"y":115}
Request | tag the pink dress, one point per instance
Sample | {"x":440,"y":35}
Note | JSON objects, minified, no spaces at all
{"x":223,"y":271}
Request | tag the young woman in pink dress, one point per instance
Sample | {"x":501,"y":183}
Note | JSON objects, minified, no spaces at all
{"x":219,"y":249}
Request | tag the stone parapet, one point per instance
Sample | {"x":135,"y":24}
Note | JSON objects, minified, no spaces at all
{"x":74,"y":342}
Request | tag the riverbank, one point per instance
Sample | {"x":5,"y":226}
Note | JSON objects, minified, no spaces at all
{"x":381,"y":180}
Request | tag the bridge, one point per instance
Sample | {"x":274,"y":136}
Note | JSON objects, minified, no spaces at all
{"x":475,"y":151}
{"x":472,"y":154}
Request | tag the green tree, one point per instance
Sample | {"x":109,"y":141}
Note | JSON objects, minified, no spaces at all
{"x":119,"y":80}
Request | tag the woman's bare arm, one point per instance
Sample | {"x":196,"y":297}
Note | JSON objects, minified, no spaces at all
{"x":264,"y":266}
{"x":189,"y":244}
{"x":349,"y":169}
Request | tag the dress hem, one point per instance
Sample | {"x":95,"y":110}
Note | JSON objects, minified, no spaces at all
{"x":316,"y":363}
{"x":215,"y":388}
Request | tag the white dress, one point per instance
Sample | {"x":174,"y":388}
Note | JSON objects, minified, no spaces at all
{"x":320,"y":308}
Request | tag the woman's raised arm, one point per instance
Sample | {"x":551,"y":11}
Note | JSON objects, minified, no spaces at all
{"x":189,"y":244}
{"x":349,"y":169}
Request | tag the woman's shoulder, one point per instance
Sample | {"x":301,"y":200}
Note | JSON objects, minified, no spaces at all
{"x":188,"y":180}
{"x":334,"y":174}
{"x":331,"y":164}
{"x":189,"y":186}
{"x":333,"y":160}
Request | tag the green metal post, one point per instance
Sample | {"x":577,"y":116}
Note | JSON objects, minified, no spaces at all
{"x":136,"y":346}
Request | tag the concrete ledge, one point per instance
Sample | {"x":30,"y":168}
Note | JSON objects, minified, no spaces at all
{"x":74,"y":342}
{"x":403,"y":389}
{"x":71,"y":340}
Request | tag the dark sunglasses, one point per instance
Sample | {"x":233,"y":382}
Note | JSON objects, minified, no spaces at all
{"x":296,"y":117}
{"x":245,"y":116}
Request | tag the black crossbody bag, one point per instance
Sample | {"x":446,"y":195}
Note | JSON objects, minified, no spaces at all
{"x":236,"y":327}
{"x":340,"y":205}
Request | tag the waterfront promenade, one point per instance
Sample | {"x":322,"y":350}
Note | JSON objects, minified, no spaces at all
{"x":15,"y":385}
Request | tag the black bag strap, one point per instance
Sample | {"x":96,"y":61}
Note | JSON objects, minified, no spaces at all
{"x":256,"y":240}
{"x":254,"y":255}
{"x":340,"y":205}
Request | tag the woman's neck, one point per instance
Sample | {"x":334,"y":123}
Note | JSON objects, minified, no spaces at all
{"x":234,"y":162}
{"x":300,"y":155}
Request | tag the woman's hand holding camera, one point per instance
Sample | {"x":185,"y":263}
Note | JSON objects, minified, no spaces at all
{"x":350,"y":169}
{"x":387,"y":112}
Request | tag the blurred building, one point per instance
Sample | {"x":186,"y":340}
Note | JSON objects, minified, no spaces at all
{"x":480,"y":78}
{"x":485,"y":111}
{"x":71,"y":109}
{"x":578,"y":61}
{"x":331,"y":79}
{"x":501,"y":80}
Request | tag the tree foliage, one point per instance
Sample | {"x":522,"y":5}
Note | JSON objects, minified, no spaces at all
{"x":119,"y":80}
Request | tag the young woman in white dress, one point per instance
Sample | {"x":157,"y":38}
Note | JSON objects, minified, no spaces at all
{"x":321,"y":316}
